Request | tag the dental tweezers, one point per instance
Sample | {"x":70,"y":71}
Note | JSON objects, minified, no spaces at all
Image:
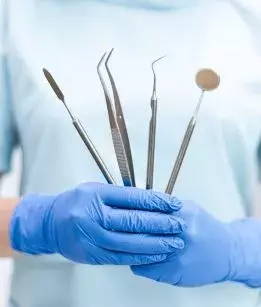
{"x":118,"y":126}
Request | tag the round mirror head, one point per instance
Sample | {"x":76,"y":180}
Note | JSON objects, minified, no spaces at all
{"x":207,"y":79}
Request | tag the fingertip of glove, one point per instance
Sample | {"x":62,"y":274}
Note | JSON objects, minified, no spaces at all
{"x":175,"y":203}
{"x":151,"y":259}
{"x":178,"y":243}
{"x":172,"y":244}
{"x":167,"y":202}
{"x":141,"y":270}
{"x":182,"y":225}
{"x":135,"y":269}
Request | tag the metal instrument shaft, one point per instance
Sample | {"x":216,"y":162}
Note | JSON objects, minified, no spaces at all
{"x":118,"y":126}
{"x":80,"y":129}
{"x":152,"y":131}
{"x":183,"y":149}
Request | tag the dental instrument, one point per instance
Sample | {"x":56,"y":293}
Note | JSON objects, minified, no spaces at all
{"x":118,"y":126}
{"x":206,"y":80}
{"x":152,"y":130}
{"x":80,"y":129}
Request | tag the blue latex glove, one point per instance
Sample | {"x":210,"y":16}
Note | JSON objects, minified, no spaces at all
{"x":99,"y":224}
{"x":214,"y":252}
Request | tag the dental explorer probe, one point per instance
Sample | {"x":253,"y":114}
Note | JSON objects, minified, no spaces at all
{"x":152,"y":130}
{"x":206,"y":80}
{"x":80,"y":129}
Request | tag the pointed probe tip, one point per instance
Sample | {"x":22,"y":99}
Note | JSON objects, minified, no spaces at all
{"x":158,"y":59}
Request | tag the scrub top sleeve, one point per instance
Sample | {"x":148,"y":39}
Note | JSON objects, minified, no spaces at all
{"x":258,"y":158}
{"x":8,"y":138}
{"x":241,"y":135}
{"x":252,"y":139}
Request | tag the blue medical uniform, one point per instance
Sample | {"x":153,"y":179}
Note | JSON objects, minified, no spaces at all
{"x":68,"y":38}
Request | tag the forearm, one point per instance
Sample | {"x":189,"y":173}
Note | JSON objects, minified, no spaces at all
{"x":6,"y":209}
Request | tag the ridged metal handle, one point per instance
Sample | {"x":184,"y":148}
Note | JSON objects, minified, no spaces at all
{"x":121,"y":158}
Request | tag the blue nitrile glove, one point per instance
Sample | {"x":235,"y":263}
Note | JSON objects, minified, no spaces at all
{"x":99,"y":224}
{"x":214,"y":252}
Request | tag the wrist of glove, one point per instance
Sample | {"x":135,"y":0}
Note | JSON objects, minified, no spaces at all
{"x":29,"y":230}
{"x":245,"y":257}
{"x":99,"y":224}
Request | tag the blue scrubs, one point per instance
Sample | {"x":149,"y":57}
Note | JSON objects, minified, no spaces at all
{"x":68,"y":38}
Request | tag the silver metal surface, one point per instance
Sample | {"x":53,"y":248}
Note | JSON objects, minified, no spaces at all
{"x":118,"y":127}
{"x":121,"y":121}
{"x":152,"y":131}
{"x":93,"y":151}
{"x":80,"y":129}
{"x":121,"y":157}
{"x":183,"y":148}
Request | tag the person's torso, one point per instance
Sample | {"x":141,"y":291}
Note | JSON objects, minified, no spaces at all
{"x":69,"y":38}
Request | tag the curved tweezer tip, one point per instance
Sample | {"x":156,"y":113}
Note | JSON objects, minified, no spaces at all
{"x":117,"y":102}
{"x":108,"y":57}
{"x":100,"y":62}
{"x":106,"y":93}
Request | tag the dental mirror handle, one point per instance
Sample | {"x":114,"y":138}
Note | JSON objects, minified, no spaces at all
{"x":180,"y":157}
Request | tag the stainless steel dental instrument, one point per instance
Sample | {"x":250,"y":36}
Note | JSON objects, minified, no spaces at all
{"x":80,"y":129}
{"x":118,"y":127}
{"x":152,"y":130}
{"x":121,"y":120}
{"x":207,"y":80}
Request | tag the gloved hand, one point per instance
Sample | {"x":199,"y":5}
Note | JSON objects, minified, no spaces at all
{"x":99,"y":224}
{"x":214,"y":252}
